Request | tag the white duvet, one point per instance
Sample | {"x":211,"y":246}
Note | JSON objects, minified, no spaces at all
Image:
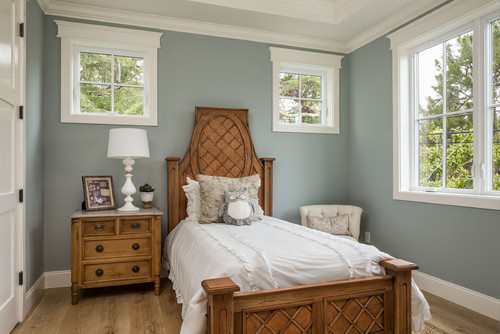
{"x":267,"y":254}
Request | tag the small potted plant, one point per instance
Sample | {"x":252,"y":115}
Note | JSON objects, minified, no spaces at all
{"x":147,"y":193}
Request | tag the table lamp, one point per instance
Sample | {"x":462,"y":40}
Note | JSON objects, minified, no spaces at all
{"x":128,"y":144}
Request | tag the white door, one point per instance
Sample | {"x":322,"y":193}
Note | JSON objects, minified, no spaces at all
{"x":11,"y":170}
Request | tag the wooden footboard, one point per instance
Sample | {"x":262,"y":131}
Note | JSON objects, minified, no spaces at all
{"x":379,"y":304}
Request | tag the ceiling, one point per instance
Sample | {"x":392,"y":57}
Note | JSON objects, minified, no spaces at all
{"x":329,"y":25}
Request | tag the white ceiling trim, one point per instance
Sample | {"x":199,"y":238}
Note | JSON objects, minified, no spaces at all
{"x":189,"y":26}
{"x":314,"y":10}
{"x":390,"y":24}
{"x":92,"y":13}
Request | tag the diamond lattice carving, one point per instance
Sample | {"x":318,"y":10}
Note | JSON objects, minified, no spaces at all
{"x":290,"y":320}
{"x":221,"y":149}
{"x":355,"y":315}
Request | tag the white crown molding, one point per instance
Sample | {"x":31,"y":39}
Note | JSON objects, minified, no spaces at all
{"x":314,"y":10}
{"x":457,"y":294}
{"x":189,"y":26}
{"x":391,"y":23}
{"x":44,"y":5}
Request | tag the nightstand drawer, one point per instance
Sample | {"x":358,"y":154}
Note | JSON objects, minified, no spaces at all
{"x":117,"y":271}
{"x":95,"y":249}
{"x":135,"y":225}
{"x":99,"y":227}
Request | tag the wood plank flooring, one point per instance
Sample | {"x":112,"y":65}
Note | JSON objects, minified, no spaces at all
{"x":135,"y":309}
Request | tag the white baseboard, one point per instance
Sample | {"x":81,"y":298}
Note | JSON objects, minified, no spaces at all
{"x":457,"y":294}
{"x":34,"y":294}
{"x":57,"y":279}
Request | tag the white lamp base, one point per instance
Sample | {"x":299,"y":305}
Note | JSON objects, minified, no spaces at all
{"x":128,"y":188}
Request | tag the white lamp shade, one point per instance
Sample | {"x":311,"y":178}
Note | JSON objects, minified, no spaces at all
{"x":128,"y":143}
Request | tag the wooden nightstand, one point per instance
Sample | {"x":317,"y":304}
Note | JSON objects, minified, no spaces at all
{"x":114,"y":247}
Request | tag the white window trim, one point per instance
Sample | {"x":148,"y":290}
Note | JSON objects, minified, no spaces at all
{"x":452,"y":17}
{"x":78,"y":36}
{"x":316,"y":62}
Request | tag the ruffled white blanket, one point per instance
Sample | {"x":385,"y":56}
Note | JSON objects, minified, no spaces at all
{"x":267,"y":254}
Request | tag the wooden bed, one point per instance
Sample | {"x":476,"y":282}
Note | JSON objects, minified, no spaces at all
{"x":221,"y":145}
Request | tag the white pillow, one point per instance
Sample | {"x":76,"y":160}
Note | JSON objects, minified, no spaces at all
{"x":337,"y":225}
{"x":192,"y":191}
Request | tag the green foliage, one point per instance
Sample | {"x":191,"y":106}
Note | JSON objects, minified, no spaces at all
{"x":300,"y":92}
{"x":111,"y":84}
{"x":146,"y":188}
{"x":459,"y":139}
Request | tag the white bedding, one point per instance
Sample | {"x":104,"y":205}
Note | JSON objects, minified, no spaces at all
{"x":268,"y":254}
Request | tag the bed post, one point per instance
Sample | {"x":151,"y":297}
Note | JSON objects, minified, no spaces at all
{"x":401,"y":271}
{"x":267,"y":180}
{"x":172,"y":192}
{"x":220,"y":310}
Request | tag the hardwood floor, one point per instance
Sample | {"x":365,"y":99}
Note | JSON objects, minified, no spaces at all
{"x":135,"y":309}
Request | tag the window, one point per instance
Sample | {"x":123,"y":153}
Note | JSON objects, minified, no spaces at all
{"x":305,"y":91}
{"x":447,"y":108}
{"x":109,"y":75}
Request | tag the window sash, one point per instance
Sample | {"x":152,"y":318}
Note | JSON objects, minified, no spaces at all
{"x":482,"y":134}
{"x":113,"y":53}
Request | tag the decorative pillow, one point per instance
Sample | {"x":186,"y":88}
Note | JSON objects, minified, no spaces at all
{"x":338,"y":225}
{"x":237,"y":208}
{"x":192,"y":191}
{"x":212,"y":194}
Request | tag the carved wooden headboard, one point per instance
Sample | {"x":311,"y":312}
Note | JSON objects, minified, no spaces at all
{"x":221,"y":145}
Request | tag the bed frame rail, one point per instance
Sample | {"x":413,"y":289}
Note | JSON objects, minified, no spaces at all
{"x":379,"y":304}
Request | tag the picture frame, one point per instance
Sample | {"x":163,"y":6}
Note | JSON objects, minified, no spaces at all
{"x":98,"y":192}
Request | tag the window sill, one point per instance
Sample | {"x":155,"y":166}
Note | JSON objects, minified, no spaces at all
{"x":466,"y":200}
{"x":109,"y":119}
{"x":305,"y":128}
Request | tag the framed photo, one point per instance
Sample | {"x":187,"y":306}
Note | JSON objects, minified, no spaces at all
{"x":98,"y":192}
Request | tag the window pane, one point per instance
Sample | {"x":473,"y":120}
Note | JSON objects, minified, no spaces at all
{"x":129,"y":70}
{"x":310,"y":87}
{"x":95,"y":67}
{"x":459,"y":73}
{"x":431,"y":153}
{"x":459,"y":152}
{"x":289,"y":110}
{"x":430,"y":78}
{"x":95,"y":98}
{"x":496,"y":149}
{"x":495,"y":33}
{"x":311,"y":112}
{"x":129,"y":100}
{"x":289,"y":84}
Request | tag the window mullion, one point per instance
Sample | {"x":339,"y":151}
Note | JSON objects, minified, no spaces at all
{"x":480,"y":121}
{"x":112,"y":83}
{"x":299,"y":115}
{"x":444,"y":141}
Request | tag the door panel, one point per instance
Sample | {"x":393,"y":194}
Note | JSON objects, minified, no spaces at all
{"x":11,"y":175}
{"x":6,"y":148}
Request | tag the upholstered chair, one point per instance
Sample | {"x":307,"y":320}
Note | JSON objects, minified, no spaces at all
{"x":332,"y":210}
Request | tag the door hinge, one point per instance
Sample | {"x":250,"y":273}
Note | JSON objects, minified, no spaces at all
{"x":21,"y":195}
{"x":21,"y":278}
{"x":21,"y":112}
{"x":21,"y":29}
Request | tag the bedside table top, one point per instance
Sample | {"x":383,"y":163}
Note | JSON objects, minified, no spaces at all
{"x":115,"y":213}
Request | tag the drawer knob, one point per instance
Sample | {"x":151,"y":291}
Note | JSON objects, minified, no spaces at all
{"x":99,"y":227}
{"x":99,"y":248}
{"x":136,"y":269}
{"x":136,"y":225}
{"x":99,"y":272}
{"x":136,"y":246}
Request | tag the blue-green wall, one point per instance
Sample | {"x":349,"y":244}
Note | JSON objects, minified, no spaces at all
{"x":34,"y":142}
{"x":453,"y":243}
{"x":193,"y":70}
{"x":457,"y":244}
